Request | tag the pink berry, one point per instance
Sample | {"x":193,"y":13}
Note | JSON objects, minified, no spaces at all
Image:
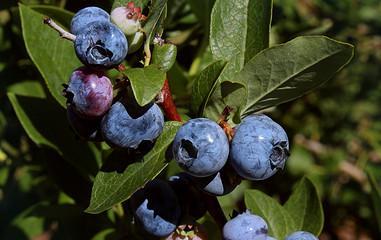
{"x":89,"y":92}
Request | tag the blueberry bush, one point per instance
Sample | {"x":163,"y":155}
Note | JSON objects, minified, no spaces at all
{"x":150,"y":119}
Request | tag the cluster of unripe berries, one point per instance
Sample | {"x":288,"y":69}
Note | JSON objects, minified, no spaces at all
{"x":212,"y":161}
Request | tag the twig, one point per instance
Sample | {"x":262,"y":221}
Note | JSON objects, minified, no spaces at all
{"x":353,"y":171}
{"x":63,"y":33}
{"x":166,"y":101}
{"x":312,"y":145}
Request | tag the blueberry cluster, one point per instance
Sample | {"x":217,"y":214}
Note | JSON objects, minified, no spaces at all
{"x":213,"y":160}
{"x":252,"y":227}
{"x":214,"y":165}
{"x":259,"y":147}
{"x":92,"y":110}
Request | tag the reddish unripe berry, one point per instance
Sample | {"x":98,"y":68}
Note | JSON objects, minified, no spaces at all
{"x":89,"y":92}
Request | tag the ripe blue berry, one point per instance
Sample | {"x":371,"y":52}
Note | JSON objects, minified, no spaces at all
{"x":89,"y":92}
{"x":259,"y":148}
{"x":86,"y":16}
{"x":156,"y":208}
{"x":101,"y":44}
{"x":245,"y":226}
{"x":201,"y":147}
{"x":301,"y":235}
{"x":122,"y":128}
{"x":219,"y":184}
{"x":86,"y":129}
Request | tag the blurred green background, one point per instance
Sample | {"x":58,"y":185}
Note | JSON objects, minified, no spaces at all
{"x":335,"y":131}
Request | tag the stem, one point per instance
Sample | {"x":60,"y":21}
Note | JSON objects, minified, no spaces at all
{"x":167,"y":104}
{"x":147,"y":52}
{"x":118,"y":209}
{"x":63,"y":33}
{"x":215,"y":210}
{"x":223,"y":122}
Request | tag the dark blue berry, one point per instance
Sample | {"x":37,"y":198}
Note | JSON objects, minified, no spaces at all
{"x":219,"y":184}
{"x":121,"y":128}
{"x":245,"y":226}
{"x":301,"y":235}
{"x":86,"y":129}
{"x":191,"y":201}
{"x":86,"y":16}
{"x":259,"y":148}
{"x":201,"y":147}
{"x":101,"y":44}
{"x":156,"y":208}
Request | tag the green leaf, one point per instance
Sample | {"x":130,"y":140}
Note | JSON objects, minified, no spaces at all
{"x":155,"y":20}
{"x":27,"y":88}
{"x":204,"y":85}
{"x":240,"y":27}
{"x":278,"y":219}
{"x":202,"y":9}
{"x":54,"y":56}
{"x":288,"y":71}
{"x":112,"y":186}
{"x":164,"y":56}
{"x":58,"y":14}
{"x":305,"y":208}
{"x":376,"y":198}
{"x":146,"y":83}
{"x":138,"y":3}
{"x":250,"y":20}
{"x":46,"y":124}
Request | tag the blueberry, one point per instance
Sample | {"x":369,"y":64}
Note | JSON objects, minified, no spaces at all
{"x":301,"y":235}
{"x":86,"y":16}
{"x":191,"y":201}
{"x":201,"y":147}
{"x":259,"y":148}
{"x":245,"y":226}
{"x":86,"y":129}
{"x":89,"y":92}
{"x":121,"y":127}
{"x":219,"y":184}
{"x":156,"y":208}
{"x":101,"y":44}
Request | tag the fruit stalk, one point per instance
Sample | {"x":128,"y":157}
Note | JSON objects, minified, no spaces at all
{"x":63,"y":33}
{"x":167,"y":103}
